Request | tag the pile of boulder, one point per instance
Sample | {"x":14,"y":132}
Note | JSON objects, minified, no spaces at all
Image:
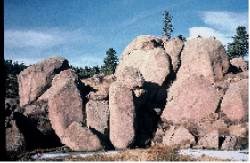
{"x":163,"y":92}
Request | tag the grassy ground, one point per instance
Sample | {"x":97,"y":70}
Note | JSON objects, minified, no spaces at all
{"x":154,"y":153}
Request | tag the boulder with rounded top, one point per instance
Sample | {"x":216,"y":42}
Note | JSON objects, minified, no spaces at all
{"x":203,"y":56}
{"x":149,"y":57}
{"x":36,"y":79}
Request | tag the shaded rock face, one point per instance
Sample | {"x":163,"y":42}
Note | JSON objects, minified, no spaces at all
{"x":239,"y":63}
{"x":193,"y":99}
{"x":98,"y":115}
{"x":206,"y":57}
{"x":178,"y":136}
{"x":80,"y":138}
{"x":235,"y":101}
{"x":229,"y":143}
{"x":122,"y":105}
{"x":147,"y":54}
{"x":15,"y":142}
{"x":34,"y":80}
{"x":97,"y":107}
{"x":26,"y":130}
{"x":173,"y":48}
{"x":37,"y":113}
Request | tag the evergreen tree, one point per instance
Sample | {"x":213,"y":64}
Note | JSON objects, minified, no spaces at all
{"x":239,"y":46}
{"x":110,"y":62}
{"x":167,"y":24}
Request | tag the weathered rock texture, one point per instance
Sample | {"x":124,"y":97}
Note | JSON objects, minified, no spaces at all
{"x":15,"y":141}
{"x":173,"y":48}
{"x":97,"y":108}
{"x":98,"y":115}
{"x":64,"y":101}
{"x":239,"y":63}
{"x":165,"y":92}
{"x":178,"y":136}
{"x":235,"y":101}
{"x":210,"y":141}
{"x":122,"y":106}
{"x":34,"y":80}
{"x":66,"y":112}
{"x":203,"y":56}
{"x":146,"y":53}
{"x":80,"y":138}
{"x":193,"y":99}
{"x":229,"y":143}
{"x":99,"y":86}
{"x":122,"y":115}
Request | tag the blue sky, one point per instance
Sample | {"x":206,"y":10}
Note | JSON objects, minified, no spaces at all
{"x":82,"y":30}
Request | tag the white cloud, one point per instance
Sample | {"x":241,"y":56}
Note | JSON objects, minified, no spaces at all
{"x":30,"y":38}
{"x":225,"y":21}
{"x":220,"y":24}
{"x":208,"y":32}
{"x":30,"y":46}
{"x":44,"y":39}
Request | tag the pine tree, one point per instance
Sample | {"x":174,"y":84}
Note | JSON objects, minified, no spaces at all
{"x":239,"y":46}
{"x":167,"y":24}
{"x":110,"y":62}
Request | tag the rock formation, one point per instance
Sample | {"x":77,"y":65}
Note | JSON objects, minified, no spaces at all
{"x":163,"y":92}
{"x":235,"y":101}
{"x":239,"y":63}
{"x":34,"y":80}
{"x":146,"y":53}
{"x":122,"y":105}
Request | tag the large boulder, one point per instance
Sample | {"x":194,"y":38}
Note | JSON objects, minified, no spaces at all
{"x":239,"y":63}
{"x":122,"y":115}
{"x":80,"y":138}
{"x":146,"y":53}
{"x":178,"y":136}
{"x":235,"y":101}
{"x":98,"y":115}
{"x":124,"y":101}
{"x":173,"y":48}
{"x":66,"y":112}
{"x":192,"y":99}
{"x":36,"y":79}
{"x":203,"y":56}
{"x":64,"y":101}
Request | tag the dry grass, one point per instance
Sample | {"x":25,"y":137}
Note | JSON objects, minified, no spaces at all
{"x":155,"y":153}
